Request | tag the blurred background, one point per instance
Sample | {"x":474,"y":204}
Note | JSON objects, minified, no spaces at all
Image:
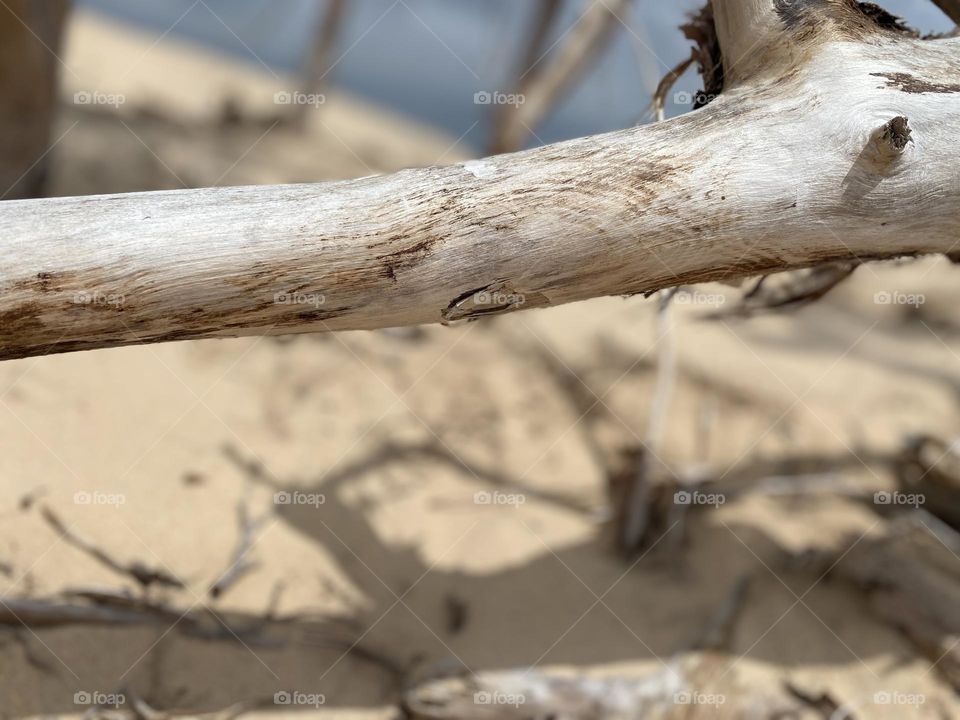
{"x":697,"y":504}
{"x":427,"y":58}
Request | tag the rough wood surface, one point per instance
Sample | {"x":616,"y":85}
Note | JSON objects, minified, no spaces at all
{"x":839,"y":143}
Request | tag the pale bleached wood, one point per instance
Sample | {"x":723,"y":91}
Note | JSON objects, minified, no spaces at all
{"x":803,"y":162}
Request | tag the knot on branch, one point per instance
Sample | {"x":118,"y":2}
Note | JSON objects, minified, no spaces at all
{"x":892,"y":138}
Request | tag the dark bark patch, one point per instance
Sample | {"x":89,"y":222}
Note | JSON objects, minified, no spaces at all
{"x":407,"y":257}
{"x":897,"y":133}
{"x":886,"y":20}
{"x":904,"y":82}
{"x":795,"y":14}
{"x":851,"y":17}
{"x":701,"y":29}
{"x":67,"y":280}
{"x":20,"y":319}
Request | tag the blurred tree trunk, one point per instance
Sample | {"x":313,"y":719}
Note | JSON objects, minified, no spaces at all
{"x":582,"y":46}
{"x":320,"y":60}
{"x":531,"y":65}
{"x":30,"y":41}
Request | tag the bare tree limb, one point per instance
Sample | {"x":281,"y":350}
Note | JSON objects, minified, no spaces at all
{"x":530,"y":68}
{"x":666,"y":84}
{"x":240,"y":564}
{"x":648,"y":468}
{"x":573,"y":58}
{"x":790,"y":290}
{"x":40,"y":613}
{"x":791,"y":167}
{"x":320,"y":59}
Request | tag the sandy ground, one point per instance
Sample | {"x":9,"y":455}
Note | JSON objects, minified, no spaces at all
{"x":462,"y":471}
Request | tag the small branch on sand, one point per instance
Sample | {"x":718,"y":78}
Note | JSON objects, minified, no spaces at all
{"x":239,"y":564}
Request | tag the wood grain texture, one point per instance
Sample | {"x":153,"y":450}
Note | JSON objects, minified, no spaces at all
{"x":790,"y":167}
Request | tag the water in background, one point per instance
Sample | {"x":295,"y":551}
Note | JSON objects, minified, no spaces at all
{"x":428,"y":58}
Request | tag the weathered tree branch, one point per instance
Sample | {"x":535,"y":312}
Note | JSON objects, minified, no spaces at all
{"x":805,"y":158}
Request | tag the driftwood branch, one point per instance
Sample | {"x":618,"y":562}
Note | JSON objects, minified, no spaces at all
{"x":803,"y":159}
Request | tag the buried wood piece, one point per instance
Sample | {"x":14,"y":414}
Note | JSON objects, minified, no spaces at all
{"x":767,"y":177}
